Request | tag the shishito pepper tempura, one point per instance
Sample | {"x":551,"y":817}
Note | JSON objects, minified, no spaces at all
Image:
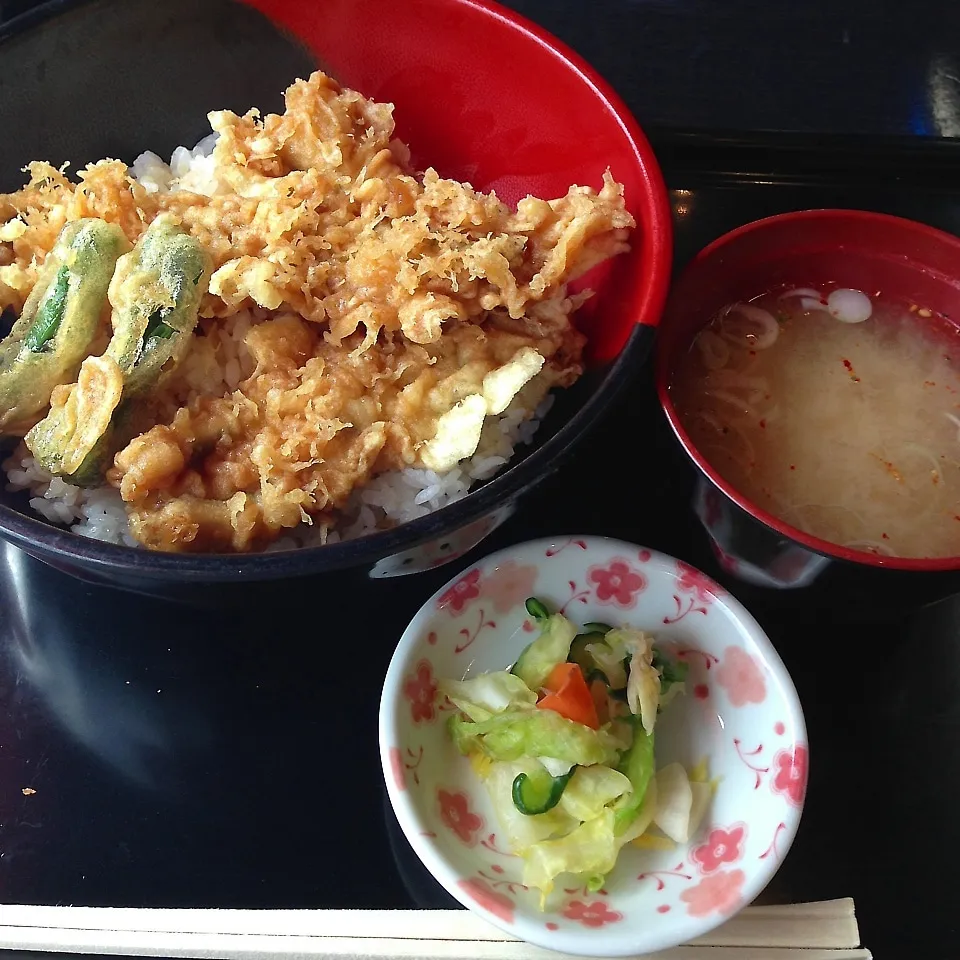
{"x":285,"y":333}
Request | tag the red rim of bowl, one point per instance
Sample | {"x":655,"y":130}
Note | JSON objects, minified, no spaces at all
{"x":657,"y":253}
{"x":663,"y":376}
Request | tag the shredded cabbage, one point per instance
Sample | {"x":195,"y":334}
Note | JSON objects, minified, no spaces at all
{"x":674,"y":802}
{"x":534,"y":733}
{"x":590,"y":790}
{"x":555,"y":767}
{"x":614,"y":795}
{"x":609,"y":655}
{"x":589,"y":849}
{"x":523,"y":831}
{"x":635,"y":649}
{"x":643,"y":683}
{"x":481,"y":697}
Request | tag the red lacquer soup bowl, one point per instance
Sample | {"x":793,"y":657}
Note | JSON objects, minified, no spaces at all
{"x":908,"y":262}
{"x":479,"y":93}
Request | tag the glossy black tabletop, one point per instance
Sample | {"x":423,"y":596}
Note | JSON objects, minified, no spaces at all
{"x":162,"y":755}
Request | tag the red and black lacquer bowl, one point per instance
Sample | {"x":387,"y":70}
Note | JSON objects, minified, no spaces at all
{"x":480,"y":94}
{"x":907,"y":261}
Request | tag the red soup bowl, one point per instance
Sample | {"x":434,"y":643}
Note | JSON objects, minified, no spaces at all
{"x":908,"y":262}
{"x":479,"y":93}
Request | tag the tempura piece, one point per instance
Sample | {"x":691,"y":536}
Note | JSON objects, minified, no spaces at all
{"x":59,"y":322}
{"x":155,"y":294}
{"x":311,"y":424}
{"x":361,"y":318}
{"x":316,"y":212}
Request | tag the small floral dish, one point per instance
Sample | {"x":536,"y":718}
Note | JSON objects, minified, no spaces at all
{"x":739,"y":718}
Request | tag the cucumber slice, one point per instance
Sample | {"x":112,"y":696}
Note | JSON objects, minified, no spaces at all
{"x":550,"y":648}
{"x":578,"y":651}
{"x":540,"y":792}
{"x":638,"y":766}
{"x":536,"y":609}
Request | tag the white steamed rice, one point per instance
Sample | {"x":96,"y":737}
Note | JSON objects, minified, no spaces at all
{"x":218,"y":363}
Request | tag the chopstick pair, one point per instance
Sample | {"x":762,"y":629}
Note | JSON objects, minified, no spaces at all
{"x":808,"y":931}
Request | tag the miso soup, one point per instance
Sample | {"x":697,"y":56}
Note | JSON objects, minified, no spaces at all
{"x":847,"y":429}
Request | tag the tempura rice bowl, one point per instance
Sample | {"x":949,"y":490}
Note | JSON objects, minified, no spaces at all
{"x":425,"y":511}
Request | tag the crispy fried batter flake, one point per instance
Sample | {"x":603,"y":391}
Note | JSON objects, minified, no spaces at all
{"x":312,"y":422}
{"x":394,"y":298}
{"x":314,"y":211}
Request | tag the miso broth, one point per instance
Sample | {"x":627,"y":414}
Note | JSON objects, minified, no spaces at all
{"x":849,"y":431}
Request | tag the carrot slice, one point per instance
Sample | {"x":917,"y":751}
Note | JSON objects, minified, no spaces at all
{"x":568,"y":695}
{"x":560,"y":676}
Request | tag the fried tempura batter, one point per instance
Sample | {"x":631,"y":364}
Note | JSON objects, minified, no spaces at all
{"x":394,"y":296}
{"x":312,"y":422}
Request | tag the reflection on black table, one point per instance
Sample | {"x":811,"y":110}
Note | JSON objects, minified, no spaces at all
{"x":824,"y":66}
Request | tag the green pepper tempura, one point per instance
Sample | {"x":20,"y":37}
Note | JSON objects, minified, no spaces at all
{"x":59,"y":322}
{"x":565,"y":744}
{"x":155,"y":292}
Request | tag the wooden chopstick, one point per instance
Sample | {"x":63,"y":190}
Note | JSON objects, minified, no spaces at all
{"x":822,"y":931}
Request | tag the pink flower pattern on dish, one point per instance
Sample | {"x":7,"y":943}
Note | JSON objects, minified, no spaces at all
{"x":617,"y":583}
{"x":691,"y":580}
{"x":721,"y":846}
{"x":396,"y":768}
{"x":485,"y":896}
{"x":456,"y":814}
{"x":719,"y":892}
{"x":457,"y":598}
{"x":421,"y":690}
{"x":741,"y":677}
{"x":790,"y":773}
{"x":594,"y":914}
{"x":509,"y":585}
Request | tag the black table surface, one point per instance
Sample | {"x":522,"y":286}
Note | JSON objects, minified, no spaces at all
{"x":180,"y":757}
